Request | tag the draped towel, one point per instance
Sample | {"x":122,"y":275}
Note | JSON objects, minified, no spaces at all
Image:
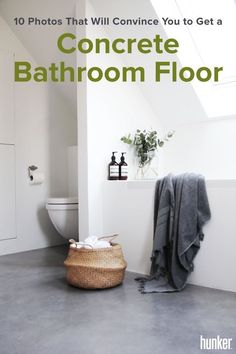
{"x":181,"y":209}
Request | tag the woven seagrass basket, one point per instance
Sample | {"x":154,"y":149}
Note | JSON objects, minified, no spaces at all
{"x":95,"y":268}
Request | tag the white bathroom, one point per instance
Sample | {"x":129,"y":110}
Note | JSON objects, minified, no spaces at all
{"x":56,"y":142}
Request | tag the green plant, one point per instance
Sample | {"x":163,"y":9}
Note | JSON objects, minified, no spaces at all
{"x":146,"y":144}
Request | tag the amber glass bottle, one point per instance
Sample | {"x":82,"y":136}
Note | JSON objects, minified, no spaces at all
{"x":113,"y":168}
{"x":123,"y":168}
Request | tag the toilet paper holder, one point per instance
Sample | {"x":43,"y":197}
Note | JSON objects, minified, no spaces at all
{"x":31,"y":169}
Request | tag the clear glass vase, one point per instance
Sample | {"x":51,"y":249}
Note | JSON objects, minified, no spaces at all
{"x":148,"y":170}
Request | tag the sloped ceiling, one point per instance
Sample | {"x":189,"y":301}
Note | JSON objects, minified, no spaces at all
{"x":40,"y":41}
{"x":164,"y":98}
{"x":174,"y":103}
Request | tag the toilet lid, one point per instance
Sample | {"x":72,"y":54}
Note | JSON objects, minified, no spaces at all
{"x":62,"y":201}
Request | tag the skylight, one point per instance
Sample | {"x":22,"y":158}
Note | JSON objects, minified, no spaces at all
{"x":208,"y":44}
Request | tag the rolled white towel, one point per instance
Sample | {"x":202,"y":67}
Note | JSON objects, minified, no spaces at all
{"x":102,"y":244}
{"x":91,"y":242}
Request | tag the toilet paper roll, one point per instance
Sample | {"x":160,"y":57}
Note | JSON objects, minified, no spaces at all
{"x":36,"y":178}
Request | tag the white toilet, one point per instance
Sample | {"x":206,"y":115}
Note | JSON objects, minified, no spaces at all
{"x":63,"y":213}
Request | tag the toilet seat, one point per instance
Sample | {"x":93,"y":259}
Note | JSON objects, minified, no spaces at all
{"x":62,"y":201}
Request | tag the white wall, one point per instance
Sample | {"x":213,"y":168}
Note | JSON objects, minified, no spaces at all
{"x":72,"y":171}
{"x":112,"y":110}
{"x":216,"y":262}
{"x":207,"y":148}
{"x":43,"y":131}
{"x":128,"y":210}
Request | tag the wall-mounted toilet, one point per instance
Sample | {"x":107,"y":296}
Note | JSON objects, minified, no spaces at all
{"x":63,"y":213}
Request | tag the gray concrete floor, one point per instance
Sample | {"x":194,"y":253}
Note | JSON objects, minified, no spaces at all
{"x":41,"y":314}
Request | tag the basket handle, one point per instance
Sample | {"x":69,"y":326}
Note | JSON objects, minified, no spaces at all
{"x":112,"y":237}
{"x":72,"y":241}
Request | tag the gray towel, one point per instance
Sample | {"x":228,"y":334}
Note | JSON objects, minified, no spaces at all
{"x":181,"y":209}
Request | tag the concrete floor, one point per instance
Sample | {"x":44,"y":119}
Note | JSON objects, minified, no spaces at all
{"x":41,"y":314}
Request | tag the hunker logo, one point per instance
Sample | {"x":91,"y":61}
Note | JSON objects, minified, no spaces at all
{"x":215,"y":343}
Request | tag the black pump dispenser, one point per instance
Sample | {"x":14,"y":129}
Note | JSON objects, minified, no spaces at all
{"x":123,"y":168}
{"x":122,"y":159}
{"x":113,"y":168}
{"x":113,"y":158}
